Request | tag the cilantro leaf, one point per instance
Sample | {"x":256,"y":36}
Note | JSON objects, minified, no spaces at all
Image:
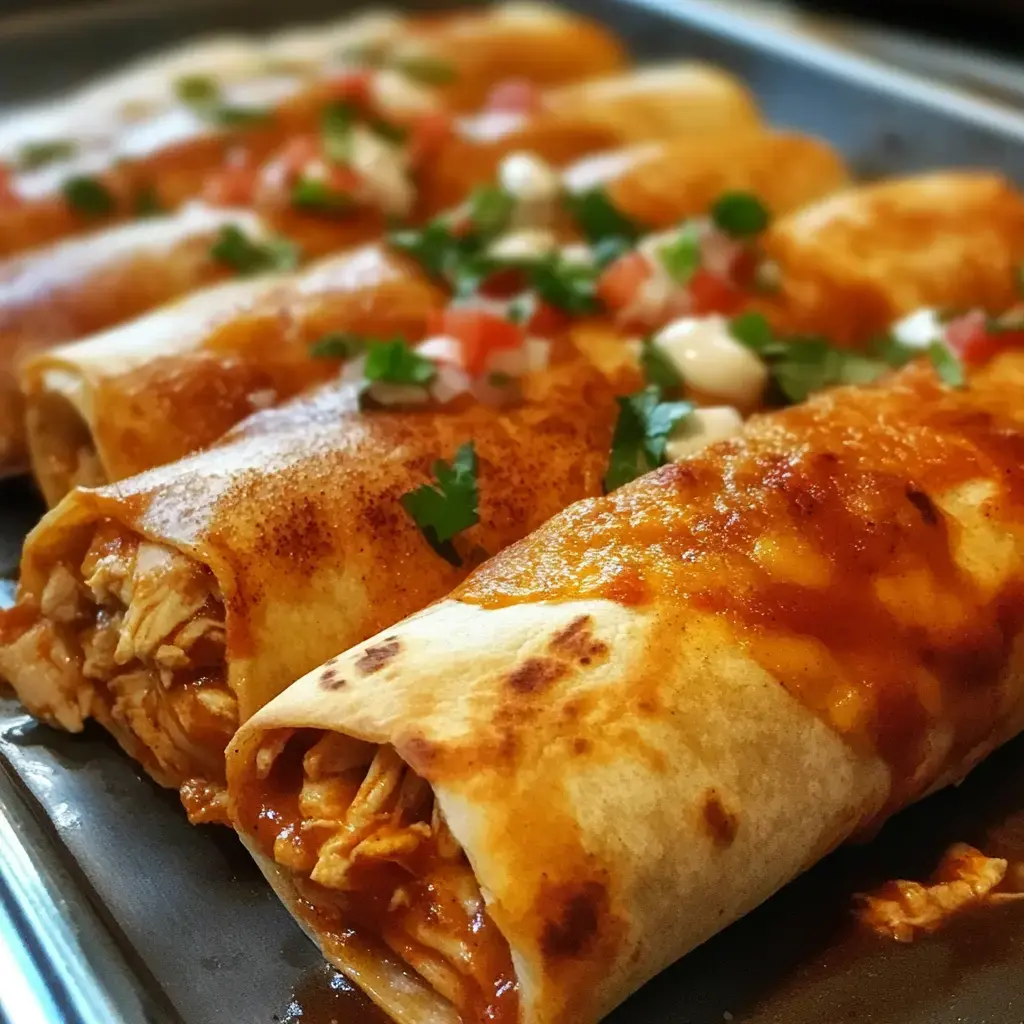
{"x":336,"y":125}
{"x":204,"y":95}
{"x":740,"y":214}
{"x":338,"y":345}
{"x":389,"y":132}
{"x":316,"y":195}
{"x":658,"y":369}
{"x":34,"y":155}
{"x":754,"y":331}
{"x":946,"y":364}
{"x":892,"y":351}
{"x":811,"y":364}
{"x":197,"y":90}
{"x":147,"y":202}
{"x":568,"y":286}
{"x":681,"y":256}
{"x":88,"y":196}
{"x":641,"y":433}
{"x":452,"y":505}
{"x":490,"y":209}
{"x":227,"y":116}
{"x":394,"y":362}
{"x":233,"y":248}
{"x":428,"y":70}
{"x":434,"y":247}
{"x":599,"y":219}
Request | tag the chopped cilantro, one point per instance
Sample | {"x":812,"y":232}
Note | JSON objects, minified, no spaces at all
{"x":490,"y":208}
{"x":599,"y":219}
{"x":147,"y":202}
{"x":389,"y":132}
{"x":448,"y":507}
{"x":233,"y":248}
{"x":609,"y":249}
{"x":203,"y":94}
{"x":88,"y":196}
{"x":571,"y":287}
{"x":336,"y":124}
{"x":34,"y":155}
{"x":522,"y":308}
{"x":681,"y":256}
{"x":740,"y":214}
{"x":315,"y":194}
{"x":642,"y":431}
{"x":658,"y":368}
{"x":429,"y":70}
{"x":393,"y":362}
{"x":338,"y":345}
{"x":892,"y":351}
{"x":754,"y":331}
{"x":433,"y":246}
{"x":946,"y":364}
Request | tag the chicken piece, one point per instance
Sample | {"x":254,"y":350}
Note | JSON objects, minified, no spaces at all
{"x":39,"y":663}
{"x":99,"y":642}
{"x":62,"y":599}
{"x":109,"y":565}
{"x":905,"y":910}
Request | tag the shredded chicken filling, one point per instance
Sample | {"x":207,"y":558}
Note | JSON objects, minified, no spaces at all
{"x":374,"y":859}
{"x":133,"y":635}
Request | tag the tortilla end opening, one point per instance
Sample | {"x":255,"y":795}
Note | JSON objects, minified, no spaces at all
{"x":61,"y":446}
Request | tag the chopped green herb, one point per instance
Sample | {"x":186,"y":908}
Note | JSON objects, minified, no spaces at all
{"x":608,"y":250}
{"x":147,"y":202}
{"x":681,"y":256}
{"x":499,"y":379}
{"x":642,"y":431}
{"x":522,"y":308}
{"x":599,"y":219}
{"x":389,"y":132}
{"x":233,"y":248}
{"x":571,"y":287}
{"x":490,"y":209}
{"x":315,"y":194}
{"x":429,"y":70}
{"x":658,"y":368}
{"x":740,"y":214}
{"x":445,"y":509}
{"x":238,"y":117}
{"x":892,"y":351}
{"x":88,"y":196}
{"x":338,"y":345}
{"x":198,"y":90}
{"x":394,"y":362}
{"x":754,"y":331}
{"x":946,"y":364}
{"x":336,"y":125}
{"x":34,"y":155}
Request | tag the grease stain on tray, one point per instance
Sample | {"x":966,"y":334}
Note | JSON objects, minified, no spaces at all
{"x":325,"y":996}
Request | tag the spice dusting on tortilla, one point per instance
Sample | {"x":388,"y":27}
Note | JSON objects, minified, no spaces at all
{"x":374,"y":658}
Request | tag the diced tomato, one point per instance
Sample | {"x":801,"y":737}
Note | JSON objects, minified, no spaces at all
{"x":618,"y":285}
{"x":297,"y":153}
{"x":480,"y":334}
{"x":343,"y":179}
{"x":974,"y":343}
{"x":514,"y":96}
{"x":8,"y":196}
{"x":743,"y":269}
{"x":351,"y":87}
{"x":427,"y":135}
{"x":234,"y":184}
{"x":711,"y":294}
{"x":504,"y":283}
{"x":547,"y":320}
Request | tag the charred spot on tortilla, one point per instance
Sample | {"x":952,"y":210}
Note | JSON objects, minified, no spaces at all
{"x":535,"y":673}
{"x":924,"y":505}
{"x":721,"y":823}
{"x":581,"y":745}
{"x":374,"y":658}
{"x":330,"y":680}
{"x":577,"y":641}
{"x":573,"y":925}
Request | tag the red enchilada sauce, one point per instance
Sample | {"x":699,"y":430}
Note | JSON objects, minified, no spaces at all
{"x":385,"y":897}
{"x":819,"y":540}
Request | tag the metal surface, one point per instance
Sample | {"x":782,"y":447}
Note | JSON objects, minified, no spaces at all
{"x":127,"y":913}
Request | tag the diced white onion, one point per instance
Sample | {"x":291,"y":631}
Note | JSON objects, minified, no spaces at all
{"x":394,"y":93}
{"x":441,"y":349}
{"x":535,"y":186}
{"x":919,"y":329}
{"x":450,"y":382}
{"x":386,"y":393}
{"x":577,"y":254}
{"x":538,"y":354}
{"x":718,"y":252}
{"x":524,"y":244}
{"x":510,"y":361}
{"x":381,"y":167}
{"x":701,"y":428}
{"x":712,"y":361}
{"x":354,"y":370}
{"x":262,"y":399}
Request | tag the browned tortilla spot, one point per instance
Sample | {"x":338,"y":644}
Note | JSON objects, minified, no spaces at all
{"x":924,"y":505}
{"x":535,"y":673}
{"x":374,"y":658}
{"x":581,"y":745}
{"x":722,"y":824}
{"x":573,"y":925}
{"x":329,"y":680}
{"x":577,"y":641}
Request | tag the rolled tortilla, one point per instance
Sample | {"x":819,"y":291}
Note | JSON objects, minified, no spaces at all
{"x":100,"y":410}
{"x":632,"y":727}
{"x":171,"y":151}
{"x":84,"y":285}
{"x":170,"y":605}
{"x":169,"y":383}
{"x":861,"y":259}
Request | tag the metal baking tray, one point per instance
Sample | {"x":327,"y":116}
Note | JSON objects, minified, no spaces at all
{"x":114,"y":911}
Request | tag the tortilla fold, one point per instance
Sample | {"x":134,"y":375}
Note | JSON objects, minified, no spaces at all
{"x":632,"y":727}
